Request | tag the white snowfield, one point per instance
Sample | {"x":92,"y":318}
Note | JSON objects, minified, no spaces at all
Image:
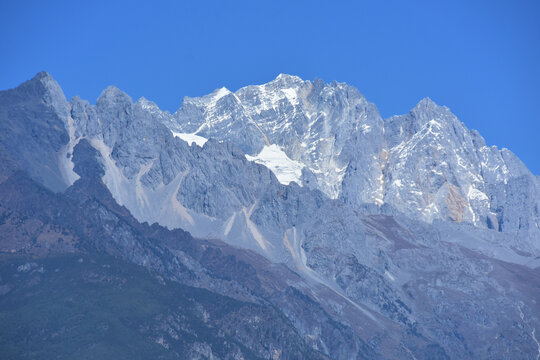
{"x":191,"y":138}
{"x":275,"y":159}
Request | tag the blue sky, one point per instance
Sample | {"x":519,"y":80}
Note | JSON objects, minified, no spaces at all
{"x":480,"y":58}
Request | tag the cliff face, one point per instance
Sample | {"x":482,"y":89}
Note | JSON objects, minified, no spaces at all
{"x":425,"y":164}
{"x":354,"y":235}
{"x":205,"y":298}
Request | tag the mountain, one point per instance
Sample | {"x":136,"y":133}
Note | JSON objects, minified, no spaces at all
{"x":82,"y":249}
{"x":425,"y":164}
{"x":359,"y":237}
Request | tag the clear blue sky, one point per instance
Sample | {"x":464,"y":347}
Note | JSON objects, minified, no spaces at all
{"x":480,"y":58}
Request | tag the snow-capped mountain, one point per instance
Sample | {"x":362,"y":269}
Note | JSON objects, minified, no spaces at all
{"x":311,"y":122}
{"x":412,"y":221}
{"x":426,"y":164}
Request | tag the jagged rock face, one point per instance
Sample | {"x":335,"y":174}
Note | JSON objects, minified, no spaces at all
{"x":161,"y":178}
{"x":311,"y":122}
{"x":32,"y":129}
{"x":232,"y":294}
{"x":406,"y":218}
{"x":426,"y":164}
{"x":439,"y":169}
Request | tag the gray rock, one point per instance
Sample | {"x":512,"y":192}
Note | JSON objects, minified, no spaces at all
{"x":33,"y":128}
{"x":411,"y":223}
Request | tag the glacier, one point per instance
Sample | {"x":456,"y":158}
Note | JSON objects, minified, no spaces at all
{"x":275,"y":159}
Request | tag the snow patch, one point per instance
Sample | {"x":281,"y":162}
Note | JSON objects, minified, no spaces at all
{"x":291,"y":96}
{"x":275,"y":159}
{"x":475,"y":194}
{"x":365,"y":128}
{"x":191,"y":138}
{"x":219,"y":93}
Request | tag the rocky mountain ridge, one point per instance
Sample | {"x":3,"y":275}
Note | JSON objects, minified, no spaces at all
{"x":426,"y":164}
{"x":412,"y":221}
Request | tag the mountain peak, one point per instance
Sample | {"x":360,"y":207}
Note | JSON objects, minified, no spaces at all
{"x":112,"y":91}
{"x":113,"y":94}
{"x":221,"y":92}
{"x":287,"y":76}
{"x":43,"y":85}
{"x":427,"y":109}
{"x":369,"y":215}
{"x":145,"y":102}
{"x":42,"y":75}
{"x":147,"y":105}
{"x":287,"y":79}
{"x":426,"y":103}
